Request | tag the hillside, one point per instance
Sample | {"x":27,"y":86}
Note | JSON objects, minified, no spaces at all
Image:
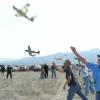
{"x":90,"y":55}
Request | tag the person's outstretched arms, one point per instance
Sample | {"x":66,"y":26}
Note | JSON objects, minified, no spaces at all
{"x":83,"y":60}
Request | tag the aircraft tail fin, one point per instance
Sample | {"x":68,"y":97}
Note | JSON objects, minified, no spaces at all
{"x":32,"y":18}
{"x":38,"y":52}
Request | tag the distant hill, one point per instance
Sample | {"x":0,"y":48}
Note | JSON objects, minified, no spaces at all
{"x":90,"y":55}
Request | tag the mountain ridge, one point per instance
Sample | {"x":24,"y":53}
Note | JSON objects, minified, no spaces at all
{"x":90,"y":55}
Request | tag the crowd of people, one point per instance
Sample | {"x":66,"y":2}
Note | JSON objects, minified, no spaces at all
{"x":89,"y":72}
{"x":45,"y":69}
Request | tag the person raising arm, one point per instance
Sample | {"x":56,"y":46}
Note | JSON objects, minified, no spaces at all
{"x":94,"y":67}
{"x":73,"y":84}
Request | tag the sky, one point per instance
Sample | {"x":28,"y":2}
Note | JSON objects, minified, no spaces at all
{"x":59,"y":25}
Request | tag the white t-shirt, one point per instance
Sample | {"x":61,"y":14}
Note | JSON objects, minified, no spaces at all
{"x":84,"y":72}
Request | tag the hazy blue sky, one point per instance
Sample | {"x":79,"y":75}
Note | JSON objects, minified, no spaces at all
{"x":59,"y":24}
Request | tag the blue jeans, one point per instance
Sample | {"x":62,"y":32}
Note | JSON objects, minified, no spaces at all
{"x":75,"y":89}
{"x":88,"y":86}
{"x":86,"y":79}
{"x":42,"y":75}
{"x":97,"y":96}
{"x":53,"y":73}
{"x":91,"y":87}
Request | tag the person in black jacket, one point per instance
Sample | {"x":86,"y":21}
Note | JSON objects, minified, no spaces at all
{"x":72,"y":82}
{"x":9,"y":71}
{"x":2,"y":69}
{"x":46,"y":68}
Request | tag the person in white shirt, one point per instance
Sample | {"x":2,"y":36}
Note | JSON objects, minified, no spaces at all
{"x":85,"y":76}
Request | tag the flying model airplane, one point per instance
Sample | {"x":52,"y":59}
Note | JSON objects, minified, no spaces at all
{"x":76,"y":58}
{"x":30,"y":52}
{"x":22,"y":12}
{"x":60,"y":58}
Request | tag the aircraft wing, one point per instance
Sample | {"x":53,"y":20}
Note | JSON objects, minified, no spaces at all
{"x":19,"y":12}
{"x":35,"y":52}
{"x":15,"y":8}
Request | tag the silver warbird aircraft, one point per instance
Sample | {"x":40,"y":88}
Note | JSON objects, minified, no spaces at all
{"x":30,"y":52}
{"x":22,"y":12}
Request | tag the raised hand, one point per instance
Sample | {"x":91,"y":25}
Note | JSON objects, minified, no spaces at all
{"x":73,"y":49}
{"x":78,"y":55}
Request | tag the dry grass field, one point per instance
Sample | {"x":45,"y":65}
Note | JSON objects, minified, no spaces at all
{"x":28,"y":86}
